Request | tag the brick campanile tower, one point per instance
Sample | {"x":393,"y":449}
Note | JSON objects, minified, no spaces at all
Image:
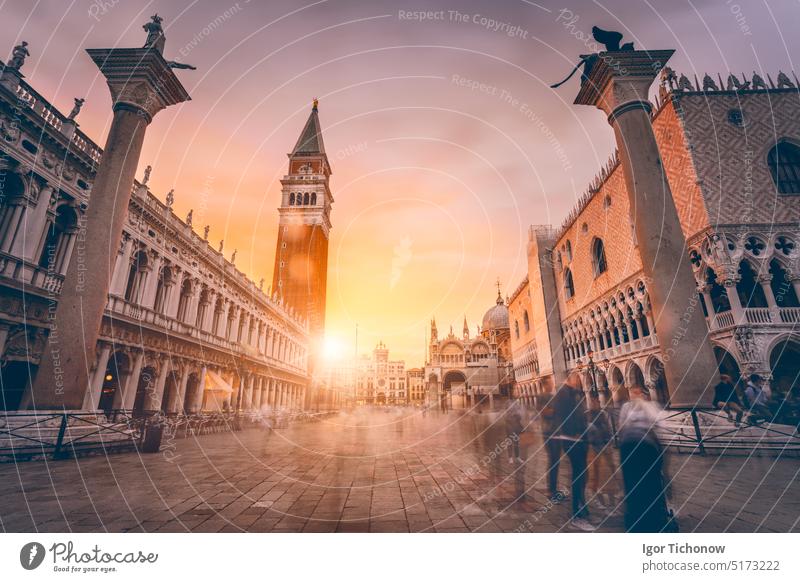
{"x":301,"y":259}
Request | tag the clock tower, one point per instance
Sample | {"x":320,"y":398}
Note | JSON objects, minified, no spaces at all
{"x":301,"y":259}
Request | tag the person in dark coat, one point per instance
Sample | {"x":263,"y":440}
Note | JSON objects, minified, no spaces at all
{"x":569,"y":430}
{"x":642,"y":462}
{"x":726,"y":399}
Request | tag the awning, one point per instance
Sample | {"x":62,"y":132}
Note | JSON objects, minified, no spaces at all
{"x":215,"y":382}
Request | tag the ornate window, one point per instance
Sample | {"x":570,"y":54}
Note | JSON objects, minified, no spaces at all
{"x":784,"y":165}
{"x":313,"y":199}
{"x":526,"y":322}
{"x":568,"y":250}
{"x":599,"y":257}
{"x":291,"y":199}
{"x":516,"y":328}
{"x":569,"y":285}
{"x":305,"y":199}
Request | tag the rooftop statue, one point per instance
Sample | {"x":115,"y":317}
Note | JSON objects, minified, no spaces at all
{"x":609,"y":39}
{"x":18,"y":56}
{"x":758,"y":81}
{"x":189,"y":217}
{"x":205,"y":232}
{"x":146,"y":178}
{"x":76,"y":108}
{"x":709,"y":84}
{"x":784,"y":82}
{"x":735,"y":85}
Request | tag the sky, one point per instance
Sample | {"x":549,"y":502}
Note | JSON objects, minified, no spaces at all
{"x":445,"y":139}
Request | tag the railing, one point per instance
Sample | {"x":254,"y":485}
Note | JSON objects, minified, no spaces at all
{"x":30,"y":273}
{"x":723,"y":320}
{"x":789,"y":314}
{"x":757,"y":315}
{"x":55,"y":119}
{"x":28,"y":435}
{"x":724,"y":439}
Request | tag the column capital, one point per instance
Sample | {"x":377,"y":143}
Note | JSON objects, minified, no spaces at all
{"x":619,"y":81}
{"x":139,"y":79}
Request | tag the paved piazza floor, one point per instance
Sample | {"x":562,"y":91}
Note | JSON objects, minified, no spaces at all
{"x":367,"y":471}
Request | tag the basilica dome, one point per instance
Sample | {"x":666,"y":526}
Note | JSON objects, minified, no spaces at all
{"x":496,"y":318}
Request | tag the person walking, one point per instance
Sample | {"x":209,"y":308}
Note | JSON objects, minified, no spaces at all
{"x":600,"y":456}
{"x":642,"y":461}
{"x":757,"y":399}
{"x":726,"y":399}
{"x":569,"y":423}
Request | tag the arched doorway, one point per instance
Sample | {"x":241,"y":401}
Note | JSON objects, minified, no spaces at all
{"x":380,"y":400}
{"x":618,"y":388}
{"x":727,"y":364}
{"x":117,"y":369}
{"x":454,"y":386}
{"x":656,"y":373}
{"x":784,"y":362}
{"x":14,"y":379}
{"x":635,"y":376}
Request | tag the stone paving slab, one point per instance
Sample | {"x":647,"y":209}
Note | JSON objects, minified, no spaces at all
{"x":367,"y":471}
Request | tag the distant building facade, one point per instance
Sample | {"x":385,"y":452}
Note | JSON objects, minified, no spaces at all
{"x":732,"y":158}
{"x":415,"y":384}
{"x":184,"y":330}
{"x":462,"y":369}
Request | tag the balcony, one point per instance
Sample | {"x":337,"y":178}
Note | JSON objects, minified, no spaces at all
{"x":754,"y":316}
{"x":171,"y":326}
{"x":30,"y":274}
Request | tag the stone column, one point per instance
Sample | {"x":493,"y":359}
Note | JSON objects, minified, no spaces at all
{"x":765,"y":282}
{"x":127,"y":396}
{"x":15,"y":211}
{"x":152,"y":400}
{"x":181,"y":393}
{"x":151,"y":285}
{"x":733,"y":298}
{"x":93,"y":396}
{"x":121,"y":267}
{"x":197,"y":406}
{"x":618,"y":83}
{"x":141,"y":84}
{"x":35,"y":220}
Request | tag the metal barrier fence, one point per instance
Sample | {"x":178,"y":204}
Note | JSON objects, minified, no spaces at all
{"x":28,"y":435}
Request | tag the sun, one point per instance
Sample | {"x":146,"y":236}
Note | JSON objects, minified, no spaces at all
{"x":332,"y":349}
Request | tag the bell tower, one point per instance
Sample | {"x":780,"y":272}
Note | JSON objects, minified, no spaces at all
{"x":301,"y":258}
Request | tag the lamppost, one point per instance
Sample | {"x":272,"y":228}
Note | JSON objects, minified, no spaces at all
{"x":595,"y":391}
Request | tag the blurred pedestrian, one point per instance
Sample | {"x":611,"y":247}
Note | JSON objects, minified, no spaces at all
{"x":642,"y":460}
{"x":757,"y":399}
{"x":600,"y":455}
{"x":569,"y":420}
{"x":726,"y":399}
{"x":514,"y":426}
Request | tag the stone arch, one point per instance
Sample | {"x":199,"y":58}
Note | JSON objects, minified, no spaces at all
{"x":634,"y":375}
{"x":727,"y":363}
{"x":116,"y":376}
{"x":751,"y":294}
{"x":784,"y":362}
{"x":657,"y":379}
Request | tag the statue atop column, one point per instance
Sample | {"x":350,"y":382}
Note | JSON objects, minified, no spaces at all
{"x":76,"y":108}
{"x":155,"y":34}
{"x":18,"y":56}
{"x":610,"y":40}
